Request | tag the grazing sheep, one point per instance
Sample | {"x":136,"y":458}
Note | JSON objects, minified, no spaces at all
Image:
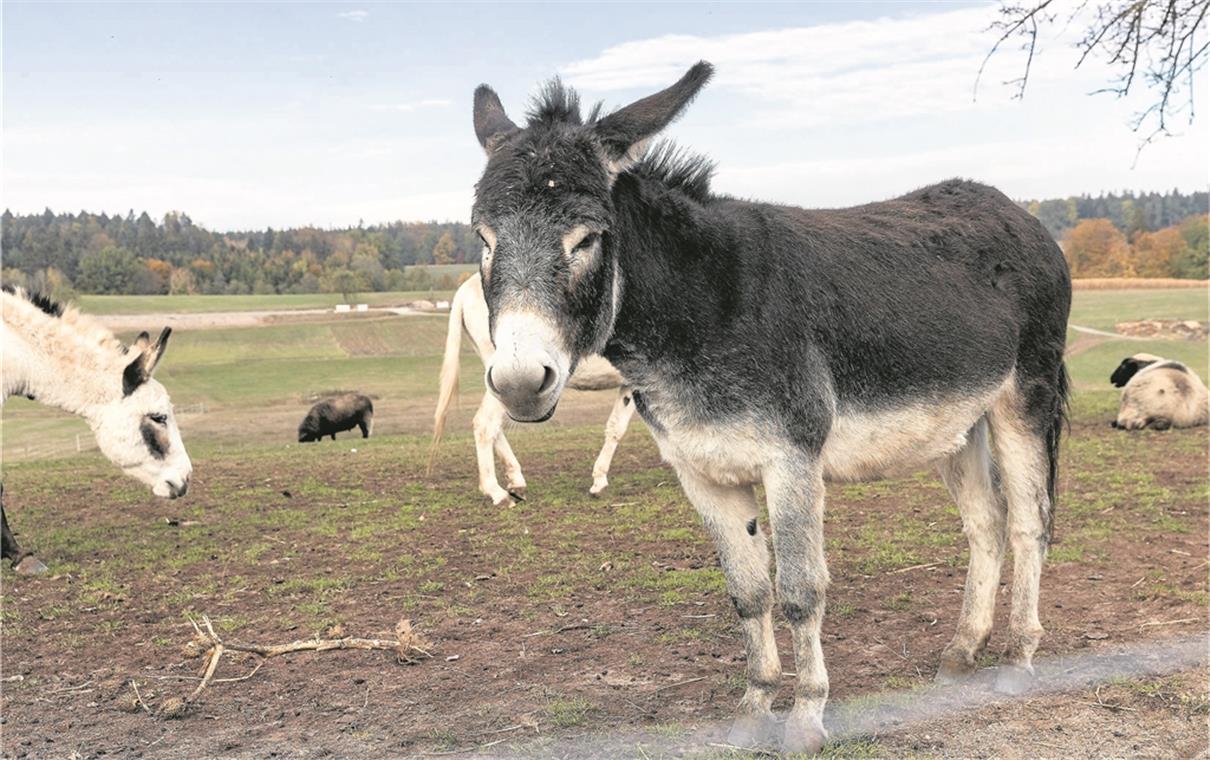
{"x":1159,"y":393}
{"x":337,"y":414}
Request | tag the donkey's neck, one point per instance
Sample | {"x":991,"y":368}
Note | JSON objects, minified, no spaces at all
{"x":67,"y":361}
{"x":677,"y":260}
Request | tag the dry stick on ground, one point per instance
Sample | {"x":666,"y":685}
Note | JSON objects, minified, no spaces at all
{"x":406,"y":645}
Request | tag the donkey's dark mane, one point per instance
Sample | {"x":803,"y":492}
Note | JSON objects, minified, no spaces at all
{"x":47,"y":305}
{"x":556,"y":103}
{"x":677,"y":168}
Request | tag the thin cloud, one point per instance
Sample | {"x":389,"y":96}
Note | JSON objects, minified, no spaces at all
{"x":357,"y":15}
{"x":414,"y":105}
{"x":846,"y":72}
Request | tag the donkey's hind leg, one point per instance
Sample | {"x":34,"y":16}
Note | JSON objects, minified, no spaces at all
{"x":729,"y":514}
{"x":615,"y":429}
{"x":489,"y":425}
{"x":1020,"y":447}
{"x":971,"y":479}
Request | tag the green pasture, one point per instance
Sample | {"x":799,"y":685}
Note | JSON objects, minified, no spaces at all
{"x":241,"y":374}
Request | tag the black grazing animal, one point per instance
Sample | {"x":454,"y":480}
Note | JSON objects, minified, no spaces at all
{"x":337,"y":414}
{"x":783,"y":347}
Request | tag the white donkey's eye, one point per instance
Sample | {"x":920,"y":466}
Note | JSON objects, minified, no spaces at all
{"x":159,"y":419}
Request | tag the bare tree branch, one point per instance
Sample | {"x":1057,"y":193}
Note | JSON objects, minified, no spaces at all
{"x":1153,"y":41}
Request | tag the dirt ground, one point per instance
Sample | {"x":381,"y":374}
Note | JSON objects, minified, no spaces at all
{"x":573,"y":627}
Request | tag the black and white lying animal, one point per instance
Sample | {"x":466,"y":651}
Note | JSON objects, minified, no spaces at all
{"x":1160,"y":394}
{"x":777,"y":346}
{"x":66,"y":360}
{"x":337,"y":414}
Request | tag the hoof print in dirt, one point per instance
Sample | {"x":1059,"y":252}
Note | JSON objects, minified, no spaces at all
{"x":30,"y":565}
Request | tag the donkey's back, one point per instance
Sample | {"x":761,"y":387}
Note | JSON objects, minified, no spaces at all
{"x":947,"y":289}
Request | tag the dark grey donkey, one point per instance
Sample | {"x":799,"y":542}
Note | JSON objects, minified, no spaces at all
{"x":780,"y":346}
{"x":337,"y":414}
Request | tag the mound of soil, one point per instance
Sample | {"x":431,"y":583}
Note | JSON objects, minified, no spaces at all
{"x":1181,"y":329}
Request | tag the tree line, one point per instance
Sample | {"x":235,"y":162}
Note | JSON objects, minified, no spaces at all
{"x":98,"y":253}
{"x":1148,"y":234}
{"x":1128,"y":212}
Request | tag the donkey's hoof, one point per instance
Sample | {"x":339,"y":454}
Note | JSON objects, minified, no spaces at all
{"x":805,"y":737}
{"x":518,"y":493}
{"x":504,"y":502}
{"x":598,"y":487}
{"x":1014,"y":679}
{"x":954,"y":669}
{"x":757,"y":731}
{"x":30,"y":565}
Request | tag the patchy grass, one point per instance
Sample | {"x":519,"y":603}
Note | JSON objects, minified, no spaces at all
{"x":563,"y":712}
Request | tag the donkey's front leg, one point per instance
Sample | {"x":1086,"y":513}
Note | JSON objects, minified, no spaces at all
{"x":730,"y":513}
{"x":795,"y":492}
{"x":22,"y":561}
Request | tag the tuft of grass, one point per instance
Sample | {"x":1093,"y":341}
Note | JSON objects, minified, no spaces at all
{"x":567,"y":713}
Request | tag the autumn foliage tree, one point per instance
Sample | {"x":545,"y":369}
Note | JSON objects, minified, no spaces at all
{"x":1095,"y":248}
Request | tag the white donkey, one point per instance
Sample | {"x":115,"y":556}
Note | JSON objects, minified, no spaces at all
{"x":468,"y":311}
{"x":65,"y":360}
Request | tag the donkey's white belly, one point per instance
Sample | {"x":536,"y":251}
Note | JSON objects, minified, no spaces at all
{"x":860,"y":446}
{"x":870,"y":445}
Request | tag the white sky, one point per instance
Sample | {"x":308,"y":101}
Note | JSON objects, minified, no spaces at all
{"x":281,"y":115}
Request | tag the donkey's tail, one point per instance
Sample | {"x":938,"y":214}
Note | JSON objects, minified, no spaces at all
{"x":1058,"y":421}
{"x":448,"y":384}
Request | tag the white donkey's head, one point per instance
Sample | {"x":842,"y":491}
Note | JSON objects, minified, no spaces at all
{"x":136,"y":430}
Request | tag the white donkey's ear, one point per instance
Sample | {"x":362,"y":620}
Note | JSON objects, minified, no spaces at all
{"x":625,"y":132}
{"x":144,"y":363}
{"x":492,"y":125}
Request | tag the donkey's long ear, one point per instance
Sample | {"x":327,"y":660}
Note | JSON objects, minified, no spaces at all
{"x":625,"y":132}
{"x":492,"y":125}
{"x":157,"y":350}
{"x":149,"y":354}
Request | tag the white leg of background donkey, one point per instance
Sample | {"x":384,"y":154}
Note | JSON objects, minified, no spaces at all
{"x":468,"y":311}
{"x":63,"y":359}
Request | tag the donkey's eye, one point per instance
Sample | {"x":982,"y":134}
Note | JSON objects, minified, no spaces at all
{"x":483,"y":240}
{"x":587,"y":242}
{"x":159,"y":419}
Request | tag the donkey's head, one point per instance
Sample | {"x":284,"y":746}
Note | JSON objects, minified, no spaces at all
{"x":136,"y":429}
{"x":544,"y":211}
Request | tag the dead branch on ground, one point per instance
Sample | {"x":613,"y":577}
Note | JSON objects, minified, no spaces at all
{"x":409,"y":647}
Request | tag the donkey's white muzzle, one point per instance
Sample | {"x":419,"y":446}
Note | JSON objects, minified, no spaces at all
{"x":526,"y":373}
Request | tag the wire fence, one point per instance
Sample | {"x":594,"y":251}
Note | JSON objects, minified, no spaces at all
{"x":53,"y":446}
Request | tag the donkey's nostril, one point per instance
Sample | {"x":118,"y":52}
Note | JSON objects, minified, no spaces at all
{"x":548,"y":379}
{"x":490,"y":384}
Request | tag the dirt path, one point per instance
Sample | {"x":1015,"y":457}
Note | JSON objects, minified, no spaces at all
{"x":226,"y":319}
